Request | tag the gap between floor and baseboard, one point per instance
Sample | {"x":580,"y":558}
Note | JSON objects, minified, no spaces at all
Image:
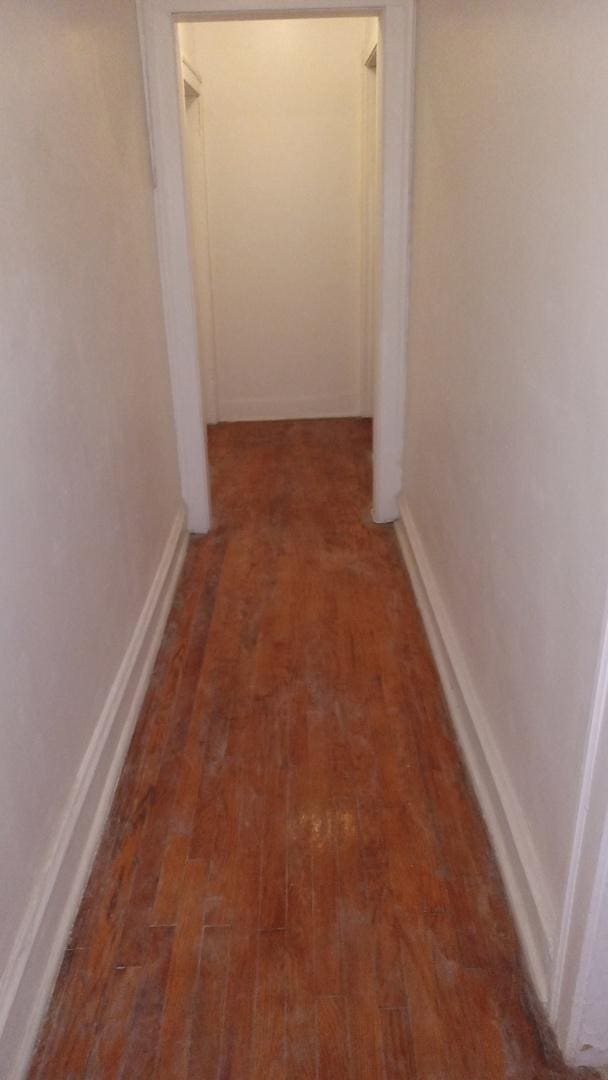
{"x":28,"y":979}
{"x":315,"y":408}
{"x":531,"y":905}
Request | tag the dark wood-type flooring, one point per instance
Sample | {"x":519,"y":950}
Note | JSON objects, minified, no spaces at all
{"x":295,"y":880}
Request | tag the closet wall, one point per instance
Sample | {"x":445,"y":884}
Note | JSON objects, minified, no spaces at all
{"x":283,"y":121}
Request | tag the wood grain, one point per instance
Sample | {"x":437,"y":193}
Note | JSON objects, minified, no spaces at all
{"x":295,"y":881}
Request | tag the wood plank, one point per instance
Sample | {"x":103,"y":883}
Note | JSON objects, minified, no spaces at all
{"x":177,"y":1018}
{"x":334,"y":1051}
{"x":399,"y":1060}
{"x":239,"y":1007}
{"x":209,"y":1004}
{"x":301,"y":1020}
{"x":172,"y":869}
{"x":268,"y":1041}
{"x":139,"y":1055}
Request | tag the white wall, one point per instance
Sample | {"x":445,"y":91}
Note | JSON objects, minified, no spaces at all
{"x":506,"y":499}
{"x":283,"y":116}
{"x":88,"y":470}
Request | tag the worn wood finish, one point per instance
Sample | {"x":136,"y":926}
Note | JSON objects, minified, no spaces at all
{"x":295,"y":881}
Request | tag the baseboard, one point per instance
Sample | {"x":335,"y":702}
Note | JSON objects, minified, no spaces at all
{"x":313,"y":408}
{"x":30,"y":974}
{"x":534,"y":915}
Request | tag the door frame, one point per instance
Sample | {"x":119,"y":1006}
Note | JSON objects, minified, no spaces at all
{"x":191,"y":116}
{"x":162,"y":79}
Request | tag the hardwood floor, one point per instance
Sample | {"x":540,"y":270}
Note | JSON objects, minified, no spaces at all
{"x":295,"y":881}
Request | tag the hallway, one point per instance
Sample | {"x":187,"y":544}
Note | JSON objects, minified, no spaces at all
{"x":295,"y":880}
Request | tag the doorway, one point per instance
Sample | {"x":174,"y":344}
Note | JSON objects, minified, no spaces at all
{"x":163,"y":67}
{"x":280,"y":160}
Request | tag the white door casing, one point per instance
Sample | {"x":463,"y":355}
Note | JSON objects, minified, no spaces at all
{"x":196,"y":181}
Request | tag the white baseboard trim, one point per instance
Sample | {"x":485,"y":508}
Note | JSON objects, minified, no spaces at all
{"x":534,"y":914}
{"x":316,"y":408}
{"x":28,"y":979}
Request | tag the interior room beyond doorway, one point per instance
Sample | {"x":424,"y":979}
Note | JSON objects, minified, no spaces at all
{"x":280,"y":153}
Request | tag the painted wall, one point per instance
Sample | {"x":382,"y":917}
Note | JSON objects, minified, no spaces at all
{"x":283,"y":118}
{"x":506,"y":484}
{"x":88,"y":469}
